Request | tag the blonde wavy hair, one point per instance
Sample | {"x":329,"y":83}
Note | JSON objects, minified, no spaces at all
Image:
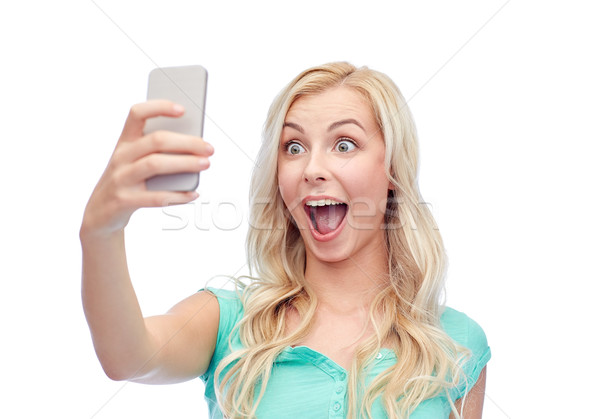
{"x":405,"y":314}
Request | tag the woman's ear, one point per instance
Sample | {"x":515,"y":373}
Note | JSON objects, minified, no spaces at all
{"x":391,"y":186}
{"x":390,"y":176}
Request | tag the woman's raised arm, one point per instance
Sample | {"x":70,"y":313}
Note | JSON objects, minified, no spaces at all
{"x":172,"y":347}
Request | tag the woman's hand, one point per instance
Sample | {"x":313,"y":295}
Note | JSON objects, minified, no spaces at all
{"x":167,"y":348}
{"x":122,"y":188}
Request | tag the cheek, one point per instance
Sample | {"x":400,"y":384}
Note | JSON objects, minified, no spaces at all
{"x":289,"y":176}
{"x":368,"y":186}
{"x":287,"y":190}
{"x":282,"y":179}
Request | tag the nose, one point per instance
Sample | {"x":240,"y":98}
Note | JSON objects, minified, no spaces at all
{"x":316,"y":170}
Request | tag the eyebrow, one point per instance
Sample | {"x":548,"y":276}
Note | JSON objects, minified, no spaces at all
{"x":294,"y":126}
{"x":331,"y":127}
{"x":344,"y":122}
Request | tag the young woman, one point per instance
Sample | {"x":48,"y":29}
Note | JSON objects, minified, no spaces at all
{"x":342,"y":315}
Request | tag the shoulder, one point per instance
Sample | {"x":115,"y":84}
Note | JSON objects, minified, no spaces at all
{"x":462,"y":329}
{"x":229,"y":297}
{"x":467,"y":333}
{"x":231,"y":312}
{"x":230,"y":309}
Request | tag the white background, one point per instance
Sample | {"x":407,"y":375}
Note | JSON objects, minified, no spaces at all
{"x":506,"y":99}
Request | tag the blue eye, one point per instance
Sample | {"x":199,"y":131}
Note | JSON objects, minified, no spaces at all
{"x":294,"y":148}
{"x":345,"y":145}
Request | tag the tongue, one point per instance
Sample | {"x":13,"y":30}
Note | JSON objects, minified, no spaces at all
{"x":328,"y":217}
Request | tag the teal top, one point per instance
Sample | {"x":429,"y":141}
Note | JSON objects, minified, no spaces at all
{"x":307,"y":384}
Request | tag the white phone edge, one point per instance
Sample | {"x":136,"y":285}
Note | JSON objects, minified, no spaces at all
{"x":185,"y":85}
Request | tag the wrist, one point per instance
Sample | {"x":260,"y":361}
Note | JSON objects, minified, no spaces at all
{"x":90,"y":235}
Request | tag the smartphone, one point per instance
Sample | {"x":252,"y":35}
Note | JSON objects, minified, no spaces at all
{"x":186,"y":86}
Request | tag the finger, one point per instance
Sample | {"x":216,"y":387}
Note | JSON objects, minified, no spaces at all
{"x":164,"y":198}
{"x":139,"y":113}
{"x":162,"y":164}
{"x":135,"y":199}
{"x":166,"y":142}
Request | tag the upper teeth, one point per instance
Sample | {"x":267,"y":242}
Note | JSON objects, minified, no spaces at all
{"x":322,"y":202}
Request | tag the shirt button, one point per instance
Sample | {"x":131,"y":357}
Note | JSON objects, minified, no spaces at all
{"x":342,"y":376}
{"x":379,"y":356}
{"x":336,"y":406}
{"x":339,"y":389}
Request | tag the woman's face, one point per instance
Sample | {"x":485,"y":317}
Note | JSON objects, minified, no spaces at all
{"x":331,"y":174}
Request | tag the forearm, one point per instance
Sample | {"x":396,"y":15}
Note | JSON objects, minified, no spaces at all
{"x":120,"y":338}
{"x":125,"y":342}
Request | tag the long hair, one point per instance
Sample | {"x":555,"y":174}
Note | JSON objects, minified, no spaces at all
{"x":405,"y":314}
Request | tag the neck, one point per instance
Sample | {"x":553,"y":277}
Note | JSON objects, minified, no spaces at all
{"x":350,"y":283}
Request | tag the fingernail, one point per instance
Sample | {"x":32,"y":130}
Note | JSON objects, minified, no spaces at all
{"x":178,"y":108}
{"x":210,"y":148}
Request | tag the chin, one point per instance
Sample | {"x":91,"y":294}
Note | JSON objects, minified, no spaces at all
{"x":328,"y":252}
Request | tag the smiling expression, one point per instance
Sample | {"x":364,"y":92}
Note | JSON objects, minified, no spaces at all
{"x":331,"y":174}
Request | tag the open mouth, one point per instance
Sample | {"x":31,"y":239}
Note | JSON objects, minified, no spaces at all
{"x":326,"y":215}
